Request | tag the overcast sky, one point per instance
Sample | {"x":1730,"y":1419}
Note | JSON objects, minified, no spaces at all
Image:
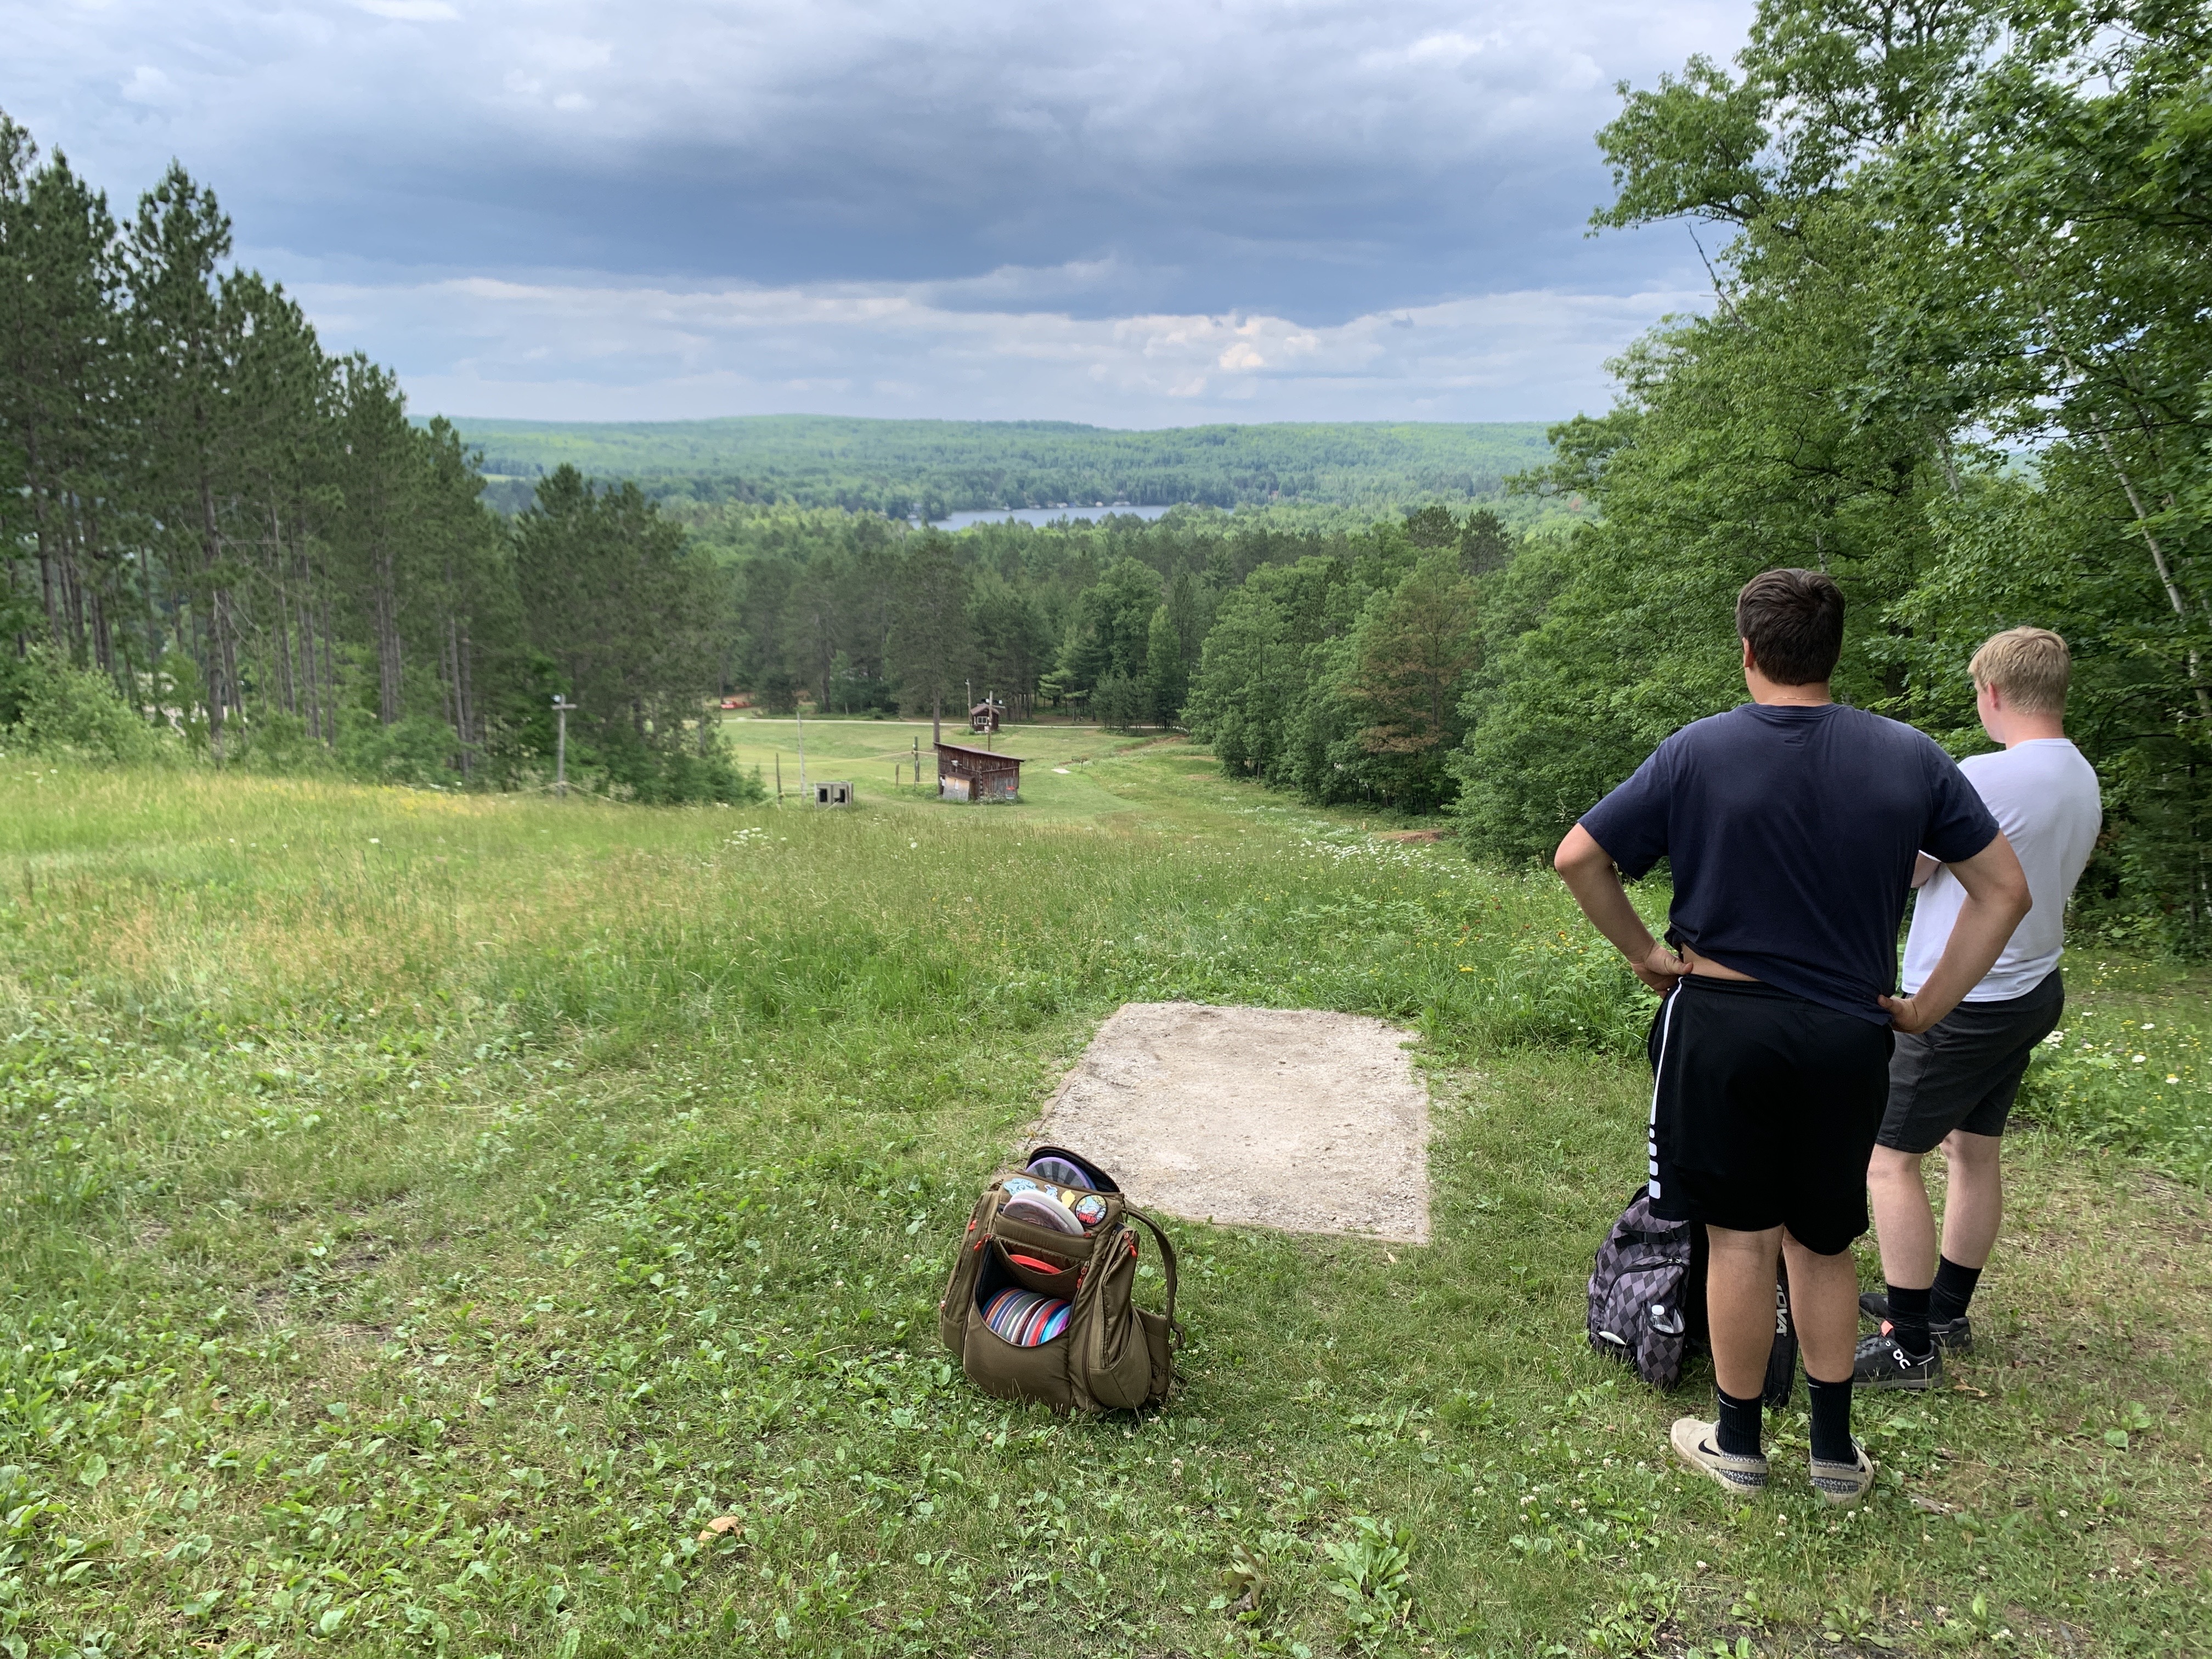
{"x":1131,"y":212}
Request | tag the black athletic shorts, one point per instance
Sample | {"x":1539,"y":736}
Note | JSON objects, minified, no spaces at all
{"x":1963,"y":1071}
{"x":1763,"y":1109}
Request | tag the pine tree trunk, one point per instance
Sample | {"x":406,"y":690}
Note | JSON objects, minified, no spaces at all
{"x":218,"y":657}
{"x":387,"y":637}
{"x":464,"y":700}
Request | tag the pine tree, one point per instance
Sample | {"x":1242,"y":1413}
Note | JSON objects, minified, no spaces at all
{"x":932,"y":646}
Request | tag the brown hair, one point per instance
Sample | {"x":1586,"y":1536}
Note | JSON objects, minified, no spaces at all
{"x":1794,"y":621}
{"x":2030,"y":665}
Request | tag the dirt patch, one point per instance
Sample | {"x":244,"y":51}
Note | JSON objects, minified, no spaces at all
{"x":1274,"y":1117}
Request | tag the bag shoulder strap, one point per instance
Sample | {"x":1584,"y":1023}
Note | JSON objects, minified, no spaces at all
{"x":1167,"y":1263}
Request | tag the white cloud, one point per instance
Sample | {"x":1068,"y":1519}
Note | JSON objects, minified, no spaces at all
{"x":411,"y":11}
{"x":147,"y":85}
{"x":638,"y":352}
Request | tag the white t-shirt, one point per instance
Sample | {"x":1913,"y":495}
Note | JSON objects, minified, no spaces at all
{"x":2043,"y":796}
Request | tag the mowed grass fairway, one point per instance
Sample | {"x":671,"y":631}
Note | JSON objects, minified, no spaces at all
{"x":423,"y":1214}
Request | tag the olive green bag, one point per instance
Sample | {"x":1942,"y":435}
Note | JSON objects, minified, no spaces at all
{"x":1112,"y":1354}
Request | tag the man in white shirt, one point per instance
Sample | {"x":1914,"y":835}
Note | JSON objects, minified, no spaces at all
{"x":1954,"y":1086}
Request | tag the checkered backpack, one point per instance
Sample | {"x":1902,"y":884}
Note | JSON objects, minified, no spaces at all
{"x":1647,"y":1301}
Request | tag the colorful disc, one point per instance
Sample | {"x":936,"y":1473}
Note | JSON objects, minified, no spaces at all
{"x":1060,"y":1170}
{"x":1039,"y":1210}
{"x":1024,"y":1318}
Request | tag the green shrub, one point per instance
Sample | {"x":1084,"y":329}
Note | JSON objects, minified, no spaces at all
{"x":417,"y":751}
{"x":64,"y":709}
{"x":280,"y":743}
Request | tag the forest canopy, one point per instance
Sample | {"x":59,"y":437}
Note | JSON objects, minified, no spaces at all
{"x":928,"y":469}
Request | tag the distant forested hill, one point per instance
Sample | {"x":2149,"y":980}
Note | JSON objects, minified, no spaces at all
{"x":897,"y":467}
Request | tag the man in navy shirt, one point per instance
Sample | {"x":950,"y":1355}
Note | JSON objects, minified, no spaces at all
{"x":1792,"y":824}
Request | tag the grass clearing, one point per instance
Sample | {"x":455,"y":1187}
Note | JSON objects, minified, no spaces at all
{"x":425,"y":1213}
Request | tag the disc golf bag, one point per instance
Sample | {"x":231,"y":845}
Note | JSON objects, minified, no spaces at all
{"x":1040,"y":1303}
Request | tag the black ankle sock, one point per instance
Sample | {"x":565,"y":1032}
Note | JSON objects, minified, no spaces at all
{"x":1954,"y":1289}
{"x":1738,"y":1433}
{"x":1831,"y":1420}
{"x":1908,"y":1319}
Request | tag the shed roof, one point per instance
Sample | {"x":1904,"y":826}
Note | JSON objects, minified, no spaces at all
{"x":979,"y":754}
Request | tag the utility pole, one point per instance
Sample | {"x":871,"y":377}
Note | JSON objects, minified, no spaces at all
{"x":562,"y":708}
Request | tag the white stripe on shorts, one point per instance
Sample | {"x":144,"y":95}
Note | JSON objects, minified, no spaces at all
{"x":1651,"y":1128}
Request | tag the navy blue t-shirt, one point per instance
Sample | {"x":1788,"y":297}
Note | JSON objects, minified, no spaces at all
{"x":1792,"y":832}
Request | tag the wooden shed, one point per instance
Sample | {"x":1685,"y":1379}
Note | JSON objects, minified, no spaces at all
{"x":965,"y":774}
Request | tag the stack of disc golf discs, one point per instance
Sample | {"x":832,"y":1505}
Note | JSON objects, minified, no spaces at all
{"x":1024,"y":1318}
{"x":1041,"y":1207}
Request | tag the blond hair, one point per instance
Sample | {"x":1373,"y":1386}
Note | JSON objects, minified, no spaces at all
{"x":2030,"y":665}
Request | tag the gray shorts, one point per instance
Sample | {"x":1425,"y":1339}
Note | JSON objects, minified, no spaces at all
{"x":1964,"y":1070}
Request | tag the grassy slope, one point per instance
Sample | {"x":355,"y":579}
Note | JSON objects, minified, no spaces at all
{"x":422,"y":1213}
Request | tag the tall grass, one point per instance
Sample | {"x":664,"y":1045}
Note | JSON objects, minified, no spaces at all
{"x":424,"y":1213}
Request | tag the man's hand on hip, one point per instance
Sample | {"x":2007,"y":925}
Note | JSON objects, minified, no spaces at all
{"x":1661,"y":968}
{"x":1906,"y":1015}
{"x":1997,"y":898}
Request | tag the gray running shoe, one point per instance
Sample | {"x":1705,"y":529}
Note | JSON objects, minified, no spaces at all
{"x":1697,"y":1441}
{"x":1844,"y":1484}
{"x":1952,"y":1335}
{"x":1881,"y":1362}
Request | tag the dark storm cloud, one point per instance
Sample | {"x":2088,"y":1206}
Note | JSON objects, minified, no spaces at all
{"x":1318,"y":162}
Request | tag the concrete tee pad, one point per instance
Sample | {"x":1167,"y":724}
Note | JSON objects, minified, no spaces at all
{"x":1274,"y":1117}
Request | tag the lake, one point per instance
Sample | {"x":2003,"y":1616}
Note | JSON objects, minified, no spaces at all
{"x":1042,"y":515}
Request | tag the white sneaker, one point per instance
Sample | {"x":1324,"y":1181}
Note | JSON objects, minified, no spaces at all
{"x":1697,"y":1443}
{"x":1844,"y":1484}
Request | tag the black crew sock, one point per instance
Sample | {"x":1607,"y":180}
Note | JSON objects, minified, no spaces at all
{"x":1738,"y":1432}
{"x":1832,"y":1418}
{"x":1954,"y":1289}
{"x":1908,"y":1319}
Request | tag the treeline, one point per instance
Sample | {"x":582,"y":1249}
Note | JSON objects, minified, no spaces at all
{"x":213,"y":529}
{"x":1958,"y":357}
{"x":928,"y":469}
{"x":1110,"y":620}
